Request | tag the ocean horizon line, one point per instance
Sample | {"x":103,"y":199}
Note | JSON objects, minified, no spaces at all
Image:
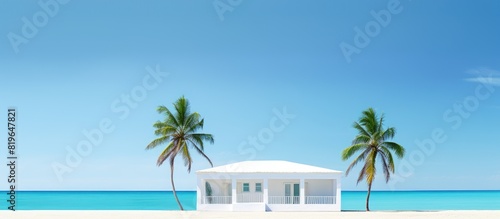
{"x":417,"y":190}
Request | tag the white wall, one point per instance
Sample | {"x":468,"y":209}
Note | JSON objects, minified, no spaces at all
{"x":319,"y":187}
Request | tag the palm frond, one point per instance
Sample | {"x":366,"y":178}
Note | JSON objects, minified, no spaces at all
{"x":370,"y":170}
{"x":167,"y":152}
{"x":389,"y":133}
{"x":349,"y":151}
{"x":380,"y":124}
{"x":157,"y":142}
{"x":165,"y":130}
{"x":194,"y":125}
{"x":162,"y":109}
{"x":388,"y":155}
{"x":196,"y":140}
{"x":202,"y":153}
{"x":369,"y":121}
{"x":385,"y":165}
{"x":398,"y":149}
{"x":186,"y":156}
{"x":199,"y":138}
{"x":159,"y":124}
{"x":358,"y":159}
{"x":361,"y":139}
{"x":361,"y":129}
{"x":182,"y":108}
{"x":169,"y":117}
{"x":172,"y":120}
{"x":193,"y":121}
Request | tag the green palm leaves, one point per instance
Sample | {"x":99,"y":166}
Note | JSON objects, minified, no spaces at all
{"x":372,"y":142}
{"x":179,"y":131}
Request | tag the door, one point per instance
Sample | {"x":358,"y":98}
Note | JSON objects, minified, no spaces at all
{"x":292,"y":193}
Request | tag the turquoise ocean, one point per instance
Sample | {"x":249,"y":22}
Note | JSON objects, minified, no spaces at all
{"x":163,"y":200}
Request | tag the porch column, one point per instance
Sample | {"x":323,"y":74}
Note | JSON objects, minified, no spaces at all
{"x":266,"y":191}
{"x":200,"y":192}
{"x":233,"y":191}
{"x":338,"y":191}
{"x":302,"y":192}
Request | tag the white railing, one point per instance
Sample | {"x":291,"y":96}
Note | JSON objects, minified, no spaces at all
{"x":284,"y":200}
{"x":256,"y":198}
{"x":320,"y":200}
{"x":249,"y":197}
{"x":217,"y":200}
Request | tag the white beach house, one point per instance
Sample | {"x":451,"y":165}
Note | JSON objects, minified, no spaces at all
{"x":268,"y":186}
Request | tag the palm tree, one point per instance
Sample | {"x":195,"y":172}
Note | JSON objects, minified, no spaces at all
{"x":180,"y":132}
{"x":372,"y":142}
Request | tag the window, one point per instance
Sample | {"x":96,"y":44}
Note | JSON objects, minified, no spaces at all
{"x":258,"y":187}
{"x":246,"y":187}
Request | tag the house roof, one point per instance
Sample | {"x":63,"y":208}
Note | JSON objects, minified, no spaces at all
{"x":267,"y":166}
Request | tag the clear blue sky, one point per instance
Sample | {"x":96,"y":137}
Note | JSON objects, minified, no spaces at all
{"x":419,"y":68}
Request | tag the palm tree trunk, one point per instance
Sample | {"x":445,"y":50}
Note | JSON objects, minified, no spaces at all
{"x":368,"y":196}
{"x":173,"y":186}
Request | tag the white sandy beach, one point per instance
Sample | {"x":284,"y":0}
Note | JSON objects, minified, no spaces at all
{"x":246,"y":215}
